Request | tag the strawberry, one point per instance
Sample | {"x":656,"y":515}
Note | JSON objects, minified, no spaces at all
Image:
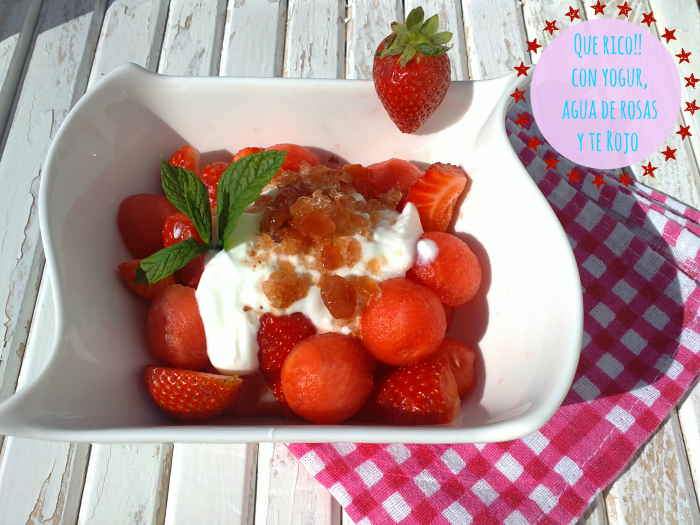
{"x":191,"y":396}
{"x":210,"y":177}
{"x":245,"y":152}
{"x":179,"y":227}
{"x":411,"y":70}
{"x":422,"y":394}
{"x":276,"y":338}
{"x":187,"y":157}
{"x":435,"y":195}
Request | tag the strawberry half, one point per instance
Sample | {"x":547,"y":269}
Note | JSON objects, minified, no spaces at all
{"x":187,"y":157}
{"x":191,"y":396}
{"x":276,"y":338}
{"x":422,"y":394}
{"x":435,"y":195}
{"x":411,"y":70}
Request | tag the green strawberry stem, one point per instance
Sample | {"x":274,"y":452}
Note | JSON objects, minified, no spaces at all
{"x":414,"y":37}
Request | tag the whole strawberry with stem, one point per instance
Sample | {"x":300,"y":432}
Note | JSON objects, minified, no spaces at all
{"x":412,"y":70}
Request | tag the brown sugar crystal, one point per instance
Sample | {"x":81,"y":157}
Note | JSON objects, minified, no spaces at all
{"x":283,"y":288}
{"x":338,"y":295}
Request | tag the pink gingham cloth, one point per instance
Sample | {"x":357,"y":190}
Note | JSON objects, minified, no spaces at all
{"x":638,"y":253}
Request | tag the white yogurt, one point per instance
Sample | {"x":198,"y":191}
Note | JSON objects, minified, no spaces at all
{"x":426,"y":252}
{"x":231,"y":283}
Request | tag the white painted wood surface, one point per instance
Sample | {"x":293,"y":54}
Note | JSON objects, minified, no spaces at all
{"x":62,"y":483}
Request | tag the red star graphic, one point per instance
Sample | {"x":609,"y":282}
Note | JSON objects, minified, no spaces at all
{"x":624,"y":10}
{"x":518,"y":95}
{"x":552,"y":162}
{"x":598,"y":181}
{"x":534,"y":142}
{"x":551,"y":27}
{"x":523,"y":119}
{"x":625,"y":179}
{"x":648,"y":19}
{"x":521,"y":69}
{"x":532,"y":46}
{"x":691,"y":81}
{"x":692,"y":107}
{"x":599,"y":8}
{"x":684,"y":132}
{"x":684,"y":56}
{"x":668,"y":35}
{"x":649,"y":170}
{"x":573,"y":175}
{"x":573,"y":13}
{"x":670,"y":153}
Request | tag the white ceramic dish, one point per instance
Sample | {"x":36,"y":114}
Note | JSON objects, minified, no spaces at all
{"x":526,"y":323}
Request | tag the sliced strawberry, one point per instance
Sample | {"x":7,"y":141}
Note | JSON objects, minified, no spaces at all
{"x":187,"y":157}
{"x":276,"y":338}
{"x":245,"y":152}
{"x":191,"y":396}
{"x":435,"y":195}
{"x":147,"y":291}
{"x":140,"y":221}
{"x":177,"y":228}
{"x":422,"y":394}
{"x":211,"y":174}
{"x":460,"y":358}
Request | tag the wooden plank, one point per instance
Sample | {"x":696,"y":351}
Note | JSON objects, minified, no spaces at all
{"x":495,"y":36}
{"x":67,"y":33}
{"x":369,"y":22}
{"x":315,"y":41}
{"x":253,"y":44}
{"x":596,"y":513}
{"x":537,"y":13}
{"x":288,"y":494}
{"x":654,"y":489}
{"x":126,"y":484}
{"x":213,"y":484}
{"x":127,"y":30}
{"x":17,"y":24}
{"x":450,"y":15}
{"x":193,"y":37}
{"x":40,"y":480}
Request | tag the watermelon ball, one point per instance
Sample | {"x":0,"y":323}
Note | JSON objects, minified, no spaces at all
{"x":296,"y":155}
{"x":405,"y":324}
{"x":327,"y":378}
{"x":175,"y":329}
{"x":394,"y":171}
{"x":451,"y":270}
{"x":140,"y":220}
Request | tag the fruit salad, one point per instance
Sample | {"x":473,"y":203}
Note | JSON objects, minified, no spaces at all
{"x":282,"y":287}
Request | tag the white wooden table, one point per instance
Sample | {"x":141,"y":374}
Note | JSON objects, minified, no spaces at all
{"x":52,"y":51}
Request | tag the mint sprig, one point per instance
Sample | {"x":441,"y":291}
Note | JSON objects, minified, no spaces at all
{"x":239,"y":186}
{"x":167,"y":261}
{"x":188,"y":194}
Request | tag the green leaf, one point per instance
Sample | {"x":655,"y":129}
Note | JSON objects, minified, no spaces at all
{"x":394,"y":49}
{"x":441,"y":38}
{"x":241,"y":184}
{"x":407,"y":55}
{"x":398,"y":28}
{"x":414,"y":20}
{"x":189,"y":195}
{"x":167,"y":261}
{"x":430,"y":50}
{"x":430,"y":27}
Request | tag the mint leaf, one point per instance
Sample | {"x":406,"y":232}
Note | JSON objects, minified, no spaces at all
{"x":189,"y":195}
{"x":167,"y":261}
{"x":241,"y":184}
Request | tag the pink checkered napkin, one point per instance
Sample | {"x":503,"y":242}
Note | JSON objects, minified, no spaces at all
{"x":639,"y":259}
